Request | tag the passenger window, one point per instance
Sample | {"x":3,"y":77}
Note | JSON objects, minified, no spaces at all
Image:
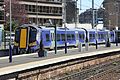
{"x":81,"y":36}
{"x":63,"y":37}
{"x":73,"y":37}
{"x":58,"y":37}
{"x":53,"y":37}
{"x":102,"y":36}
{"x":99,"y":36}
{"x":77,"y":36}
{"x":68,"y":37}
{"x":47,"y":37}
{"x":92,"y":36}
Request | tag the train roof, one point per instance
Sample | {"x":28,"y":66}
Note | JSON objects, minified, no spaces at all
{"x":29,"y":25}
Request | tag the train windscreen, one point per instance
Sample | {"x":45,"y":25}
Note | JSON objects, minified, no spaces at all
{"x":33,"y":33}
{"x":17,"y":35}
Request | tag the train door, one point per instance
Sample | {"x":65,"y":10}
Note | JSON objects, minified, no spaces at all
{"x":46,"y":38}
{"x":76,"y":38}
{"x":117,"y":35}
{"x":24,"y":39}
{"x":52,"y":39}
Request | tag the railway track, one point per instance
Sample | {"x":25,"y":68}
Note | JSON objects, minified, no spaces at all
{"x":96,"y":72}
{"x":110,"y":74}
{"x":80,"y":69}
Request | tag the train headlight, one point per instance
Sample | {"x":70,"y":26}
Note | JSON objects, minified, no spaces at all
{"x":32,"y":44}
{"x":15,"y":43}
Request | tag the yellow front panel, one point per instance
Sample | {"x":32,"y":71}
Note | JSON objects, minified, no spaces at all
{"x":23,"y":38}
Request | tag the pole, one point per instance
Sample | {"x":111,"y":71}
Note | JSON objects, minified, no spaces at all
{"x":64,"y":22}
{"x":117,"y":11}
{"x":4,"y":28}
{"x":80,"y":4}
{"x":37,"y":12}
{"x":93,"y":14}
{"x":76,"y":14}
{"x":96,"y":32}
{"x":10,"y":48}
{"x":55,"y":39}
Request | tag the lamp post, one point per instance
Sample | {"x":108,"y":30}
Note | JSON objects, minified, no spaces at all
{"x":93,"y":16}
{"x":76,"y":13}
{"x":117,"y":12}
{"x":96,"y":31}
{"x":64,"y":22}
{"x":4,"y":34}
{"x":10,"y":47}
{"x":37,"y":12}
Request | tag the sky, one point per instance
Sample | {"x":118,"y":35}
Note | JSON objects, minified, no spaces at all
{"x":86,"y":4}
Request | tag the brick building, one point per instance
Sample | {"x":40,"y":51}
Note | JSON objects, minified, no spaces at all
{"x":41,"y":11}
{"x":112,"y":14}
{"x":87,"y":16}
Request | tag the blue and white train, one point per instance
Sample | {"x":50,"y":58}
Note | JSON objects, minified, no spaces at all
{"x":28,"y":37}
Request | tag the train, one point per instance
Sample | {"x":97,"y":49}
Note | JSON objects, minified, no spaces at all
{"x":28,"y":37}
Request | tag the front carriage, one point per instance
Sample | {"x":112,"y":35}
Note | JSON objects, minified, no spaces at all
{"x":27,"y":39}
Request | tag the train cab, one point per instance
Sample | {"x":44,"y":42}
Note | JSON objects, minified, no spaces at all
{"x":27,"y":38}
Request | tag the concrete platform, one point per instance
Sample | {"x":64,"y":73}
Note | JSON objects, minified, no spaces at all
{"x":28,"y":61}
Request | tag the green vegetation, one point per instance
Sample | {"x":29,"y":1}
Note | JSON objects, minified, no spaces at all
{"x":14,"y":25}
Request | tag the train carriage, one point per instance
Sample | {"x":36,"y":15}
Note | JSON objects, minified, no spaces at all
{"x":117,"y":36}
{"x":80,"y":36}
{"x":70,"y":34}
{"x":27,"y":39}
{"x":112,"y":36}
{"x":48,"y":37}
{"x":91,"y":36}
{"x":101,"y":36}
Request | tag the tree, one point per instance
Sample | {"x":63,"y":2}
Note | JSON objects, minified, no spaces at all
{"x":19,"y":14}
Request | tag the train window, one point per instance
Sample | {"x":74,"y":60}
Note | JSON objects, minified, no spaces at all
{"x":81,"y":36}
{"x":73,"y":37}
{"x":17,"y":36}
{"x":58,"y":37}
{"x":68,"y":37}
{"x":102,"y":36}
{"x":47,"y":37}
{"x":77,"y":36}
{"x":111,"y":35}
{"x":52,"y":36}
{"x":33,"y":33}
{"x":99,"y":36}
{"x":92,"y":36}
{"x":63,"y":37}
